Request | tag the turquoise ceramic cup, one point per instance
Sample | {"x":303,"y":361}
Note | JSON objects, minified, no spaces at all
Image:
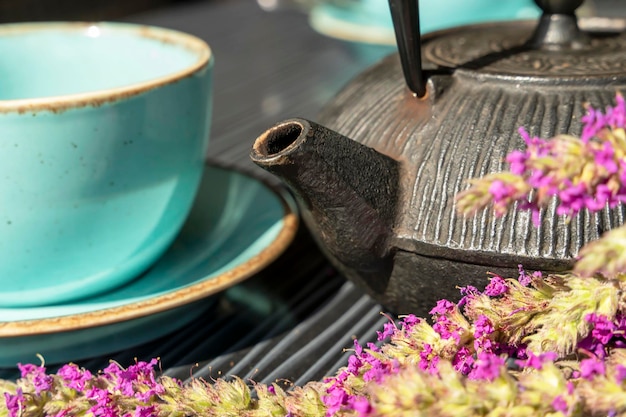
{"x":103,"y":133}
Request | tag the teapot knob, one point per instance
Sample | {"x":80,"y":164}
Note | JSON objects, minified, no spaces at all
{"x":558,"y":27}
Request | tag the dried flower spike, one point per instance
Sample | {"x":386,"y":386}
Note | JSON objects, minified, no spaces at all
{"x":582,"y":173}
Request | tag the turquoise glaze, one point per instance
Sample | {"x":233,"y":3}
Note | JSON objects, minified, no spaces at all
{"x":369,"y":21}
{"x":237,"y":226}
{"x":103,"y":132}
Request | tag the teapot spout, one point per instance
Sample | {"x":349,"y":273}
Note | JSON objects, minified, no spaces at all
{"x":347,"y":192}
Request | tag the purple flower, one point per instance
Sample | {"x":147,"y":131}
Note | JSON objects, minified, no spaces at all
{"x":616,"y":116}
{"x":428,"y":359}
{"x":145,"y":411}
{"x":602,"y":196}
{"x":487,"y":366}
{"x":496,"y":286}
{"x":463,"y":361}
{"x":361,"y":405}
{"x":354,"y":364}
{"x":605,"y":157}
{"x":152,"y":391}
{"x":482,"y":326}
{"x":358,"y":349}
{"x":409,"y":321}
{"x":524,"y":279}
{"x":573,"y":199}
{"x":484,"y":344}
{"x":103,"y":406}
{"x":335,"y":399}
{"x":27,"y":370}
{"x":37,"y":375}
{"x":339,"y":379}
{"x":468,"y":290}
{"x":482,"y":329}
{"x":74,"y":377}
{"x":535,"y":143}
{"x":141,"y":370}
{"x":537,"y":361}
{"x":605,"y":333}
{"x":371,"y":346}
{"x":137,"y":380}
{"x":590,"y":367}
{"x":446,"y":328}
{"x":603,"y":328}
{"x":593,"y":123}
{"x":517,"y":162}
{"x":501,"y":191}
{"x":377,"y":372}
{"x":14,"y":402}
{"x":112,"y":371}
{"x":389,"y":329}
{"x":468,"y":293}
{"x":443,"y":307}
{"x":559,"y":404}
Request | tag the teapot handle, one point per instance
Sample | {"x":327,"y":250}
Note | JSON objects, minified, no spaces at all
{"x":406,"y":23}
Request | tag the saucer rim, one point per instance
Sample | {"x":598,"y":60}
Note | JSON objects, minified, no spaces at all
{"x":179,"y":298}
{"x":325,"y":22}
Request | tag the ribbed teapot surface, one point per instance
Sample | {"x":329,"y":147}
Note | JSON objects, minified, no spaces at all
{"x":484,"y":83}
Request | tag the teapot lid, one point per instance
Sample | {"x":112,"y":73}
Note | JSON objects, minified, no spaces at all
{"x":557,"y":49}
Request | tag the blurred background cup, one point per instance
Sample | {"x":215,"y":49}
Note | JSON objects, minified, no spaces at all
{"x":103,"y":133}
{"x":369,"y":21}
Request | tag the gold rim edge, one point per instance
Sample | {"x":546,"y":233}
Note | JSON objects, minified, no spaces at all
{"x":98,"y":97}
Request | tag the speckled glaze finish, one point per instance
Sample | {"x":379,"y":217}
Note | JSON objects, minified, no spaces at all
{"x":103,"y":132}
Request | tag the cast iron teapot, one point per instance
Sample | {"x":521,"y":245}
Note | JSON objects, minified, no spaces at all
{"x":377,"y":178}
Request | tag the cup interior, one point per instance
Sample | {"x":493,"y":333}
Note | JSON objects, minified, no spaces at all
{"x":60,"y":59}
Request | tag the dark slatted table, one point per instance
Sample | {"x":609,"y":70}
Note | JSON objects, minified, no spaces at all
{"x":295,"y":318}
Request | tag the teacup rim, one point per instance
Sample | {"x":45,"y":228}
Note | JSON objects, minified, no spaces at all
{"x":95,"y":98}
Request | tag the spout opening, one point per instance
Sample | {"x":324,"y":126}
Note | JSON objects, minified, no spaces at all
{"x":278,"y":138}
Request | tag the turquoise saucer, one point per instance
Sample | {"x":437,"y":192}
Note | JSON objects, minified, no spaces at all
{"x":237,"y":226}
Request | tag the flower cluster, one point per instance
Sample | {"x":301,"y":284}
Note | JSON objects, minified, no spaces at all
{"x":137,"y":391}
{"x":586,"y":173}
{"x":524,"y":346}
{"x":76,"y":391}
{"x":583,"y":173}
{"x":530,"y":345}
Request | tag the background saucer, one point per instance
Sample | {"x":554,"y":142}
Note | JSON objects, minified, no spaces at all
{"x":369,"y":21}
{"x":237,"y":226}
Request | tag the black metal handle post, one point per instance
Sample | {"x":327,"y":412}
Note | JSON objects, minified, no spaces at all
{"x":405,"y":15}
{"x":559,"y":6}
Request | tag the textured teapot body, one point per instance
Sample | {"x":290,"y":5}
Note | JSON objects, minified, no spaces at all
{"x":478,"y":95}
